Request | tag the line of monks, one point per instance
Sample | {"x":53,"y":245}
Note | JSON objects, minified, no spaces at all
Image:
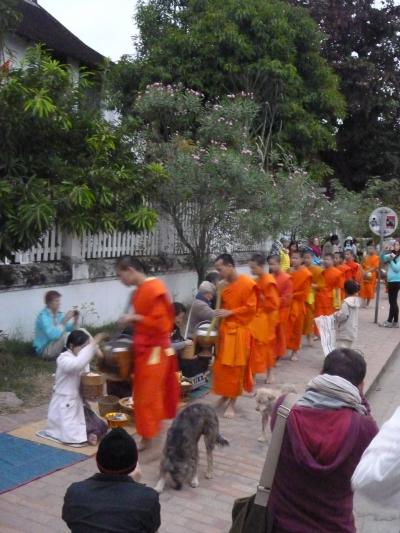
{"x":264,"y":317}
{"x":259,"y":320}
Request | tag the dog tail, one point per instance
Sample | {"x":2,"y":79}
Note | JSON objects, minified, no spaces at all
{"x":221,"y":441}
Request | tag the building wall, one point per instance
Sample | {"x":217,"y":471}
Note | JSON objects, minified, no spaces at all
{"x":15,"y":48}
{"x":19,"y":307}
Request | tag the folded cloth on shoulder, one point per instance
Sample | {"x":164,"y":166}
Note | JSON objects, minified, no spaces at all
{"x":332,"y":392}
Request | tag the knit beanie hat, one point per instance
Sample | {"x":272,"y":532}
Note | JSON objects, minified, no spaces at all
{"x":117,"y":453}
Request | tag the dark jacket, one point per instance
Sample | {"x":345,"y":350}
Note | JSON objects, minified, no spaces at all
{"x":111,"y":503}
{"x":312,"y":486}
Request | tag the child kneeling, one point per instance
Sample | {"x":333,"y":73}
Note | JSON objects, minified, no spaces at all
{"x":70,"y":420}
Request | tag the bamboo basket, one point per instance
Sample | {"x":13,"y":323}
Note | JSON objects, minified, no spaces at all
{"x":92,"y":385}
{"x":189,"y":352}
{"x":108,"y":404}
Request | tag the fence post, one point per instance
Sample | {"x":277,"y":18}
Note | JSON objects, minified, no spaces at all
{"x":72,"y":253}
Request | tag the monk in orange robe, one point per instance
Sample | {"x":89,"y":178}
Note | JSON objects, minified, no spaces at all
{"x":238,"y":308}
{"x":285,"y":288}
{"x":302,"y":279}
{"x":340,"y":264}
{"x":156,"y":388}
{"x":356,"y":270}
{"x":263,"y":326}
{"x":316,"y":284}
{"x":328,"y":298}
{"x":370,"y":266}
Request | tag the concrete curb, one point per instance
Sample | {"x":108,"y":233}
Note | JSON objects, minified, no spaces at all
{"x":378,"y":375}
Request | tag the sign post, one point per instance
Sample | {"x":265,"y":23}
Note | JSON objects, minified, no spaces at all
{"x":383,"y":222}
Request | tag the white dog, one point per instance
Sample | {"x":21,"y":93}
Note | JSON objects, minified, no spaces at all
{"x":265,"y":401}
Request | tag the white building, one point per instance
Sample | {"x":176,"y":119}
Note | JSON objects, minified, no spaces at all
{"x":38,"y":26}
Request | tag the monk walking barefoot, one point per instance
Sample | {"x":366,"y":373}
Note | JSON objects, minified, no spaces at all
{"x":156,"y":389}
{"x":263,"y":326}
{"x":302,"y":279}
{"x":238,"y":308}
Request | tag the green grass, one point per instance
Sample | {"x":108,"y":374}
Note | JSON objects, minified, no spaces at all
{"x":110,"y":327}
{"x":25,"y":374}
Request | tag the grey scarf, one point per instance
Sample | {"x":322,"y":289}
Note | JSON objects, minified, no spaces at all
{"x":332,"y":392}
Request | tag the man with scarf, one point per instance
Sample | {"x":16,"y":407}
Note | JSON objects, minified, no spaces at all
{"x":326,"y":434}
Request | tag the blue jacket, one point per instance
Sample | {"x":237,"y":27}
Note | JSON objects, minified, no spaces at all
{"x":393,"y":273}
{"x":49,"y":328}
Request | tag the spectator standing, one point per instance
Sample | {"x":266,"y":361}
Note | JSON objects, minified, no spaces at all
{"x":346,"y":319}
{"x":331,"y":245}
{"x":326,"y":434}
{"x":377,"y":476}
{"x":392,"y":259}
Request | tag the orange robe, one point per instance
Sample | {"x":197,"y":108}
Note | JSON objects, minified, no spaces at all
{"x":302,"y":279}
{"x":346,"y":274}
{"x":316,"y":271}
{"x":368,"y":285}
{"x":285,"y":288}
{"x":155,"y":388}
{"x":328,"y":297}
{"x":356,"y":271}
{"x":346,"y":271}
{"x":263,"y":326}
{"x":231,"y":367}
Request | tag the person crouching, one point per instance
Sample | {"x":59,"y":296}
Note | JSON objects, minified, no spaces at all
{"x":112,"y":500}
{"x":69,"y":420}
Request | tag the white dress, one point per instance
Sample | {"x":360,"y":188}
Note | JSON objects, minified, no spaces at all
{"x":378,"y":474}
{"x":66,"y":419}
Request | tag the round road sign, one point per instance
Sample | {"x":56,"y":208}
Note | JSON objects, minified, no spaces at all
{"x":383,"y":221}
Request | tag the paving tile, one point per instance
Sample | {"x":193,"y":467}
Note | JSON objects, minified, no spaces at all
{"x":237,"y":467}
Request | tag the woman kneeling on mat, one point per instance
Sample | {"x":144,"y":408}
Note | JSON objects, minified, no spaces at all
{"x":70,"y":420}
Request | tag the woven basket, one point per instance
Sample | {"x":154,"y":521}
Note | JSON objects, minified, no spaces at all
{"x":108,"y":404}
{"x":92,"y":386}
{"x":188,"y":352}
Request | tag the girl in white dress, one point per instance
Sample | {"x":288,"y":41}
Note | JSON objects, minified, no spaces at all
{"x":69,"y":419}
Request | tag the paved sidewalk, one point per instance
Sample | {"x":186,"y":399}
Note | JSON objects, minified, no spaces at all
{"x":36,"y":507}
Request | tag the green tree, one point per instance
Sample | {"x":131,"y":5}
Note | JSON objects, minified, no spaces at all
{"x":61,"y":161}
{"x":265,"y":47}
{"x":363,"y":48}
{"x":206,"y":154}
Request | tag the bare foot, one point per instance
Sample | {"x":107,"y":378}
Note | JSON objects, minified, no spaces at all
{"x":220,"y":403}
{"x":137,"y":473}
{"x":92,"y":439}
{"x":310,"y":341}
{"x":144,"y":444}
{"x":230,"y":411}
{"x":262,"y":438}
{"x":195,"y":482}
{"x":269,"y":379}
{"x":294,"y":357}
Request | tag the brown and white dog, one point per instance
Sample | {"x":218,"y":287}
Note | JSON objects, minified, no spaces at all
{"x":265,"y":401}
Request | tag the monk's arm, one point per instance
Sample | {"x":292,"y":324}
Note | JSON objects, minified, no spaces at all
{"x":157,"y":311}
{"x":243,"y":312}
{"x":271,"y":299}
{"x":287,"y":294}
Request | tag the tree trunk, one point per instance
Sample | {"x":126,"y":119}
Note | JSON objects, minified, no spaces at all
{"x":200,"y":264}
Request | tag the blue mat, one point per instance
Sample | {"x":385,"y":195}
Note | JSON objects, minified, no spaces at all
{"x":22,"y":461}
